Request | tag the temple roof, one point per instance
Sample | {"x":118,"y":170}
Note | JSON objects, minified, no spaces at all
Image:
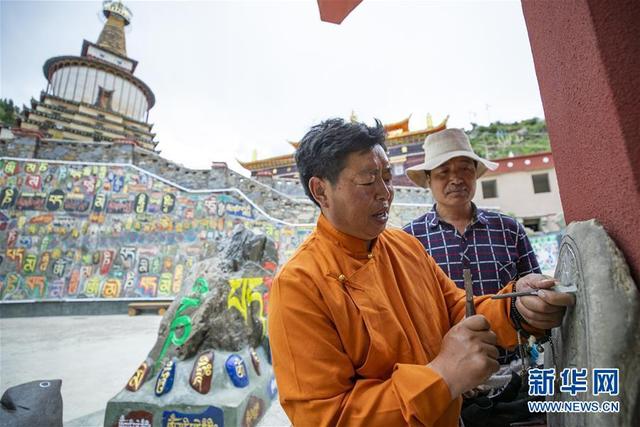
{"x":407,"y":137}
{"x":395,"y":139}
{"x":402,"y":126}
{"x":270,"y":162}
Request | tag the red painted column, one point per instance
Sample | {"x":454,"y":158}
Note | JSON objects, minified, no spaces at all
{"x":587,"y":59}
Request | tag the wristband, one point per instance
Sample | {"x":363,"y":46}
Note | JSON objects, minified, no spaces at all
{"x":517,"y":318}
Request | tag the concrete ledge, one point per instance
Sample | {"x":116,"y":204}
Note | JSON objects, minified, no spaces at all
{"x":66,"y":308}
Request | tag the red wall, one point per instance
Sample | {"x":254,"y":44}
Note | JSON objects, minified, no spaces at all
{"x":587,"y":59}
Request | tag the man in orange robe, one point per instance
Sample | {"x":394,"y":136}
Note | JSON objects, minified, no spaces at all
{"x":365,"y":328}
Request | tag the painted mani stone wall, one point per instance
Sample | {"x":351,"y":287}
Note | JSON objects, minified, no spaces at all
{"x":546,"y":247}
{"x":76,"y":230}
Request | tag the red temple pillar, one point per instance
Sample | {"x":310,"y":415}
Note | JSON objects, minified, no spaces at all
{"x":587,"y":59}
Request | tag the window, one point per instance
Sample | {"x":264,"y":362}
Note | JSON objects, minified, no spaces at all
{"x":532,"y":223}
{"x":541,"y":183}
{"x":489,"y":189}
{"x":104,"y":98}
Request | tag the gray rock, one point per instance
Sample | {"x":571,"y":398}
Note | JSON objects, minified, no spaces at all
{"x":36,"y":403}
{"x":221,"y":312}
{"x":601,"y":331}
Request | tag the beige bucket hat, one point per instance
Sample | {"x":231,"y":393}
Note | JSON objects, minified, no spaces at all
{"x":439,"y":147}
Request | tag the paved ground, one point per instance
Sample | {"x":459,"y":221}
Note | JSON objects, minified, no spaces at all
{"x":93,"y":355}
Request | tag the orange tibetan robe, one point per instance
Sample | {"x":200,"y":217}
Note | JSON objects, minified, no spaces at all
{"x":352,"y":331}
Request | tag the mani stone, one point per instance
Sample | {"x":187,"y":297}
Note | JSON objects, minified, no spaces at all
{"x":273,"y":388}
{"x":202,"y":372}
{"x":237,"y":371}
{"x":139,"y":377}
{"x":601,"y":331}
{"x":165,"y":378}
{"x":255,"y":410}
{"x":267,"y":347}
{"x":210,"y":417}
{"x":135,"y":419}
{"x":255,"y":360}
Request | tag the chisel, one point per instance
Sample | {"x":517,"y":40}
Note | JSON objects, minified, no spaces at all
{"x":468,"y":288}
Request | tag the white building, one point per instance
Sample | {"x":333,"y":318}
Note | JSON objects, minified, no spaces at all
{"x":525,"y":187}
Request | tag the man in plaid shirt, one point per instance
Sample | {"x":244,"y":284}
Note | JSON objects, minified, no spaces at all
{"x":458,"y":235}
{"x":493,"y":246}
{"x":455,"y":232}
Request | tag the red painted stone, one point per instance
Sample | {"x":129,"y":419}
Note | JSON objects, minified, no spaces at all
{"x":202,"y":373}
{"x":254,"y":411}
{"x":255,"y":360}
{"x":135,"y":418}
{"x":139,"y":377}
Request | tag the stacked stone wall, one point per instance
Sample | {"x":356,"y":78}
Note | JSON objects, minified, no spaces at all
{"x":18,"y":147}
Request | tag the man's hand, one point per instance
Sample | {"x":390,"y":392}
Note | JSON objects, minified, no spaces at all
{"x":467,"y":356}
{"x":544,"y":311}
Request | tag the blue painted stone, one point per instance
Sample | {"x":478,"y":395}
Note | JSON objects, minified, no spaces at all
{"x":211,"y":416}
{"x":237,"y":371}
{"x":167,"y":374}
{"x":272,"y":388}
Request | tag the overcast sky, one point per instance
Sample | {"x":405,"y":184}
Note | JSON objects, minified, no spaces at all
{"x":231,"y":77}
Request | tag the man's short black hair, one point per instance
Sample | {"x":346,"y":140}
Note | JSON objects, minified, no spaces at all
{"x":323,"y":150}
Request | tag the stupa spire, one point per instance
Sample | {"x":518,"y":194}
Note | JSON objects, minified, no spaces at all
{"x":112,"y":35}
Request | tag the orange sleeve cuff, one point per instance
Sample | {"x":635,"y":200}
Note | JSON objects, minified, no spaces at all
{"x":424,"y":392}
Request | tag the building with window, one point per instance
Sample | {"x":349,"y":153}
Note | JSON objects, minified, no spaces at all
{"x":524,"y":186}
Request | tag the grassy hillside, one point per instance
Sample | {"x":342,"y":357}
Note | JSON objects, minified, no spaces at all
{"x":498,"y":139}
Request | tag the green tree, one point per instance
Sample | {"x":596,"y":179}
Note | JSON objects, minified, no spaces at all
{"x":8,"y":112}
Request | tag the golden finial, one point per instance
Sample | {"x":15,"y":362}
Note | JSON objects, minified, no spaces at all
{"x":429,"y":121}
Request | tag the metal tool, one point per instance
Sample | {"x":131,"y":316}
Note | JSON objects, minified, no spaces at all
{"x":567,"y":289}
{"x":468,"y":288}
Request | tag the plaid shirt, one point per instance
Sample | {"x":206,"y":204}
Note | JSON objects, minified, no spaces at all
{"x":494,"y":246}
